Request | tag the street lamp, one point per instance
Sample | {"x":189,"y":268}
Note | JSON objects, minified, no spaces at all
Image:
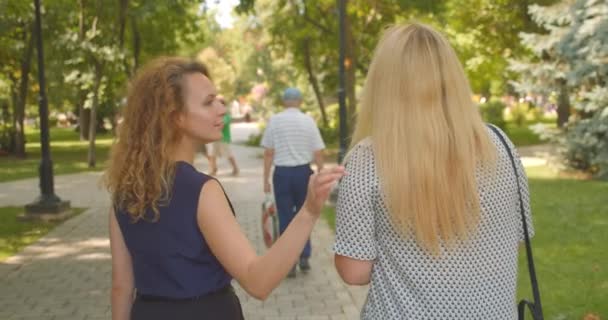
{"x":47,"y":206}
{"x":342,"y":81}
{"x":333,"y":196}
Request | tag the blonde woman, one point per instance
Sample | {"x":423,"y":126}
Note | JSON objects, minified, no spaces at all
{"x":175,"y":242}
{"x":429,"y":213}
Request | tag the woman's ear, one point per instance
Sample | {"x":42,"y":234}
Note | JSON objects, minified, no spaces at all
{"x":178,"y":119}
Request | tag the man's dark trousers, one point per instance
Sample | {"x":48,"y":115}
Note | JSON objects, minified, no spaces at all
{"x":290,"y":186}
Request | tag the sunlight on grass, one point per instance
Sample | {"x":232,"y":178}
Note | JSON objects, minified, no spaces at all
{"x":541,"y":172}
{"x":16,"y":234}
{"x":68,"y":153}
{"x":98,"y":142}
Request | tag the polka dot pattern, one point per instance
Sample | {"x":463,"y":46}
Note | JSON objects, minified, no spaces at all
{"x":470,"y":279}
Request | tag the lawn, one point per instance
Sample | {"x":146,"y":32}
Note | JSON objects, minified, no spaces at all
{"x":570,"y":246}
{"x":523,"y":135}
{"x":16,"y":234}
{"x":68,"y":153}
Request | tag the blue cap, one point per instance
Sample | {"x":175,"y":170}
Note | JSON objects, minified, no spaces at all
{"x":292,"y":94}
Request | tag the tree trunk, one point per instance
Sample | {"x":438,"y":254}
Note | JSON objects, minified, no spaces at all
{"x":13,"y":119}
{"x":136,"y":43}
{"x":84,"y":118}
{"x":93,"y":124}
{"x":122,"y":23}
{"x":83,"y":113}
{"x":563,"y":104}
{"x":313,"y":81}
{"x":350,"y":61}
{"x":19,"y":115}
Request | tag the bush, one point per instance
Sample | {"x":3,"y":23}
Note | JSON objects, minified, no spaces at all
{"x":492,"y":112}
{"x":255,"y":139}
{"x":7,"y":144}
{"x":519,"y":112}
{"x":535,"y":114}
{"x":330,"y":135}
{"x":586,"y":145}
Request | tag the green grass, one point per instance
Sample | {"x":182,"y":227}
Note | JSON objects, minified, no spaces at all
{"x":16,"y":234}
{"x":329,"y":214}
{"x":570,"y":246}
{"x":524,"y":136}
{"x":68,"y":153}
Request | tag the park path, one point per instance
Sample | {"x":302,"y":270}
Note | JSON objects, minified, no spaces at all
{"x":66,"y":274}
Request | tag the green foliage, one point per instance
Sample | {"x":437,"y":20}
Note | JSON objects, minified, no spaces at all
{"x":535,"y":114}
{"x":6,"y":137}
{"x":522,"y":135}
{"x":331,"y":132}
{"x":570,"y":59}
{"x":586,"y":145}
{"x":492,"y":112}
{"x":67,"y":151}
{"x":254,"y":140}
{"x":519,"y":112}
{"x":485,"y":33}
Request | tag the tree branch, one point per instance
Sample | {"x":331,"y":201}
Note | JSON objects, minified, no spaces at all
{"x":311,"y":21}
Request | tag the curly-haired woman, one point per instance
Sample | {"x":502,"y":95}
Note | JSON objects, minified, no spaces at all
{"x":175,"y":242}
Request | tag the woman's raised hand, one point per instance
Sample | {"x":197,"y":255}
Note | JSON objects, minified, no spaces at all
{"x":320,"y":186}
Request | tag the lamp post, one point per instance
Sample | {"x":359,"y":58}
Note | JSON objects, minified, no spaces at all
{"x":342,"y":80}
{"x":47,"y":205}
{"x":333,"y":196}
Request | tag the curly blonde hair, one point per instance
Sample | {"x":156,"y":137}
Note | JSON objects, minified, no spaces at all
{"x":140,"y":173}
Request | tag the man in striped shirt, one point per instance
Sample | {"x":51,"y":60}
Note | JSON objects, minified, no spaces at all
{"x":291,"y":141}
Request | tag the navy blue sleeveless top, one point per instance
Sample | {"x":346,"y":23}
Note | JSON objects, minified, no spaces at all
{"x":170,"y":256}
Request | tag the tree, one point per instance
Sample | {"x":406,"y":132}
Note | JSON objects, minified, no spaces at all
{"x":485,"y":33}
{"x":570,"y":59}
{"x":16,"y":51}
{"x":222,"y":72}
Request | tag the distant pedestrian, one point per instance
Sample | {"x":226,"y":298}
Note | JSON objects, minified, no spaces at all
{"x":292,"y":142}
{"x":221,"y":148}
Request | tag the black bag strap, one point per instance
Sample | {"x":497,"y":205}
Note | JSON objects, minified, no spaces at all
{"x":535,"y":306}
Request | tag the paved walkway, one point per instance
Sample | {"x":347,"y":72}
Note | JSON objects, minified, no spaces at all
{"x":66,"y":275}
{"x":538,"y":155}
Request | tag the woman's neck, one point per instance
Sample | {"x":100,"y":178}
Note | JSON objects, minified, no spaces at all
{"x":185,"y":151}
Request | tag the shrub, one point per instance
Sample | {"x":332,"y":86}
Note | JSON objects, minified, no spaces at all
{"x":535,"y":114}
{"x":492,"y":112}
{"x":255,"y":139}
{"x":585,"y":145}
{"x":519,"y":112}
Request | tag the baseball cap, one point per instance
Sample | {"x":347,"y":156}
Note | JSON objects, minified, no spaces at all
{"x":292,"y":94}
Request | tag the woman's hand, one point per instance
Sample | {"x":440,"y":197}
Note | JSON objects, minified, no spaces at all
{"x":320,"y":186}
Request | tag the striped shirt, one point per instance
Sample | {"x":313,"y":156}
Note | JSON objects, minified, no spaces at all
{"x":294,"y":136}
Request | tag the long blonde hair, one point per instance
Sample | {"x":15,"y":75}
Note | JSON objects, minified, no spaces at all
{"x":428,"y":137}
{"x":140,"y":173}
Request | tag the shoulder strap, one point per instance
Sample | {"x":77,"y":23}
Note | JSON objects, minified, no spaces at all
{"x":535,"y":307}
